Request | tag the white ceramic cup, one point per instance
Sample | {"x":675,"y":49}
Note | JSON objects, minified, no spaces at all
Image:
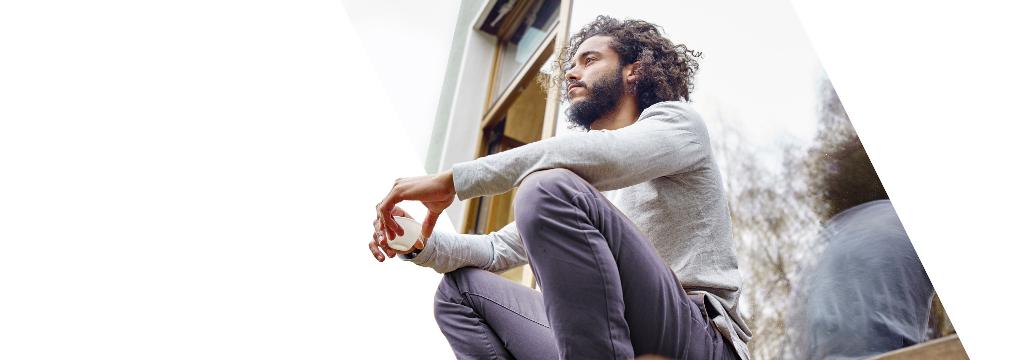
{"x":408,"y":240}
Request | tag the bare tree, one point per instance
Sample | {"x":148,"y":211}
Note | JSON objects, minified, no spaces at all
{"x":775,"y":226}
{"x":777,"y":215}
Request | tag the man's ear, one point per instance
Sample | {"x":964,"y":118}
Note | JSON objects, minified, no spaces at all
{"x":631,"y":72}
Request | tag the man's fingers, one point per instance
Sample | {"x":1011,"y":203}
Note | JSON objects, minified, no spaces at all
{"x":387,"y":249}
{"x":428,"y":224}
{"x":382,"y":231}
{"x":376,"y":252}
{"x":400,"y":212}
{"x":397,"y":211}
{"x":395,"y":228}
{"x":384,"y":213}
{"x":378,"y":226}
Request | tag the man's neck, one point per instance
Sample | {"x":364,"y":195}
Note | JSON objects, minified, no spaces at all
{"x":625,"y":114}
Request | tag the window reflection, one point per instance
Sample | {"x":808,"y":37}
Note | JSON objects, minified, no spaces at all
{"x":520,"y":45}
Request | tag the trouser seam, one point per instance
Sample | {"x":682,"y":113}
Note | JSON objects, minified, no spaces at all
{"x":603,"y":276}
{"x":462,"y":300}
{"x":504,"y":307}
{"x":490,"y":346}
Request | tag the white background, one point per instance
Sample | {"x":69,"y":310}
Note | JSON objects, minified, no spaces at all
{"x":196,"y":178}
{"x":408,"y":51}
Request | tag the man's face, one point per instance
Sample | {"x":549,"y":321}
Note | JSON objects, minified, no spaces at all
{"x":594,"y":82}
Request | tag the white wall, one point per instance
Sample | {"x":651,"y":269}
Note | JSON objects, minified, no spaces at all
{"x":467,"y":109}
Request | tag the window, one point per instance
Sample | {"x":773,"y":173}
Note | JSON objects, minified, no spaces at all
{"x":519,"y":110}
{"x":515,"y":51}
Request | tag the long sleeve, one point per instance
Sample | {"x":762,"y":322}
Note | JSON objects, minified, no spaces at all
{"x":668,"y":138}
{"x":497,"y":251}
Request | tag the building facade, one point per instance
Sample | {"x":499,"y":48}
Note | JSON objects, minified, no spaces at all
{"x":492,"y":98}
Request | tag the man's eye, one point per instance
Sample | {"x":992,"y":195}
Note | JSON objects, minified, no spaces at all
{"x":590,"y":60}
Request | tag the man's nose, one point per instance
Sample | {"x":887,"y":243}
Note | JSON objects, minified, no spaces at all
{"x":572,"y":74}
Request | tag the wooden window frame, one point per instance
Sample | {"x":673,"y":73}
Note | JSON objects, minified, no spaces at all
{"x":497,"y":110}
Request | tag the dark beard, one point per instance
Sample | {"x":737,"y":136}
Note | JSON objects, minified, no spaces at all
{"x":603,"y":98}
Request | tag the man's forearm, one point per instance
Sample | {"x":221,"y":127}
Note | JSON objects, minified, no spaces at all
{"x":497,"y":251}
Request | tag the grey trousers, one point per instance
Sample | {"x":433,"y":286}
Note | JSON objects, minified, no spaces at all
{"x":605,"y":292}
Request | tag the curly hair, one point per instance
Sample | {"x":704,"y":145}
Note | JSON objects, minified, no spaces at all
{"x":665,"y":70}
{"x":840,"y":172}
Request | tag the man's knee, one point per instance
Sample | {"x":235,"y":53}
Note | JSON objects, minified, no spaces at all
{"x":447,"y":290}
{"x":549,"y":178}
{"x":542,"y":186}
{"x":451,"y":289}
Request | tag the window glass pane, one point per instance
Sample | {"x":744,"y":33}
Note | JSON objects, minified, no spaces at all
{"x":524,"y":41}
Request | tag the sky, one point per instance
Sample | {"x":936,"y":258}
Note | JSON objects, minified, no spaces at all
{"x":758,"y":71}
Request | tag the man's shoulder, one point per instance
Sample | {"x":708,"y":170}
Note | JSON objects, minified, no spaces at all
{"x":675,"y":114}
{"x":669,"y":106}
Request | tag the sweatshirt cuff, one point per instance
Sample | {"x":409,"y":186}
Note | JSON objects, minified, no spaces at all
{"x":427,"y":254}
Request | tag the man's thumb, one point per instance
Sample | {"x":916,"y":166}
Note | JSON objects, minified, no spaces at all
{"x":428,"y":223}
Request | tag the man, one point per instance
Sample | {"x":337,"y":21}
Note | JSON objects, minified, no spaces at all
{"x":868,"y":294}
{"x":650,"y":268}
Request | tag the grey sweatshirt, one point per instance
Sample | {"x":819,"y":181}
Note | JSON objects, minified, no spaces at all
{"x":869,"y":293}
{"x":658,"y":171}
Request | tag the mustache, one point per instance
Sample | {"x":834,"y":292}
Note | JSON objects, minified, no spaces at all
{"x":570,"y":83}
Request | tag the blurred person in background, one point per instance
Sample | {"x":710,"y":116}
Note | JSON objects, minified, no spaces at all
{"x":869,"y":293}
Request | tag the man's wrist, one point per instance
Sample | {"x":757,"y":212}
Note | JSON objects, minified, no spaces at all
{"x":411,"y":255}
{"x":448,"y":178}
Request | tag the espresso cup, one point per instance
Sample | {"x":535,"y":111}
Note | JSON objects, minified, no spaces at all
{"x":408,"y":240}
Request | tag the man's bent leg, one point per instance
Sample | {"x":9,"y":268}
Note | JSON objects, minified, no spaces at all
{"x":606,"y":291}
{"x":485,"y":316}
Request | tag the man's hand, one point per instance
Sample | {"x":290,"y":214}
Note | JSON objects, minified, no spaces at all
{"x":436,"y":192}
{"x":378,"y":246}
